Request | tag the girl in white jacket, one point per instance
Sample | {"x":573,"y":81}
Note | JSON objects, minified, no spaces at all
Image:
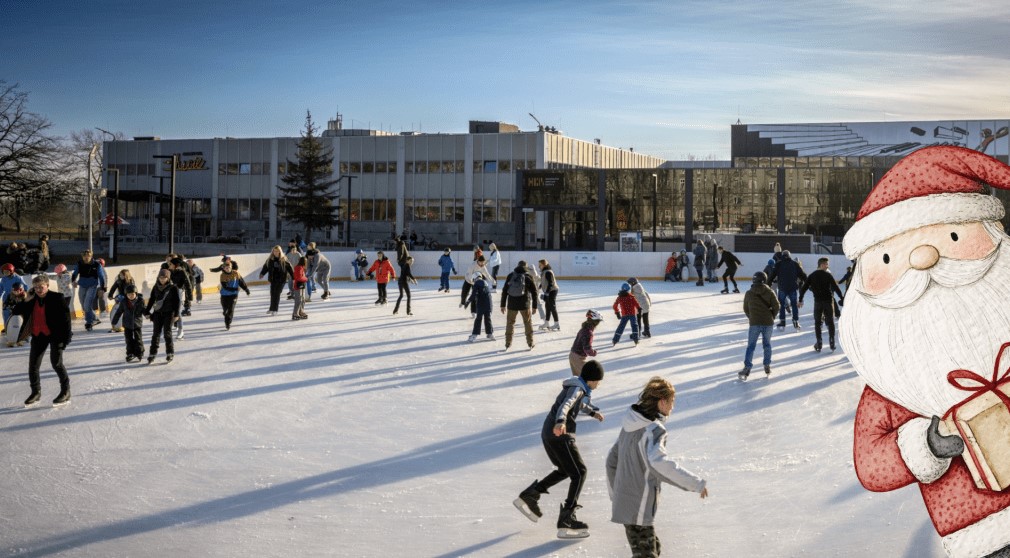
{"x":638,"y":464}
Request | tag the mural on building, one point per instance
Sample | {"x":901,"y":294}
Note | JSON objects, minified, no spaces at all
{"x":927,"y":329}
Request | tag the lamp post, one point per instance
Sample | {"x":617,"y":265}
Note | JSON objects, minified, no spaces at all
{"x":92,"y":184}
{"x":347,"y":230}
{"x":171,"y":223}
{"x":655,"y":194}
{"x":115,"y":219}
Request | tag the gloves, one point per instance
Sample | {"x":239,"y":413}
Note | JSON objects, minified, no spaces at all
{"x":618,"y":315}
{"x":940,"y":445}
{"x":841,"y":302}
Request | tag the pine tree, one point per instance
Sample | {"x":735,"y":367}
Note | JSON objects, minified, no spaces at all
{"x":308,"y":193}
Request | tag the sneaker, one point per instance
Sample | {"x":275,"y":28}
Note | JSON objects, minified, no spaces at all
{"x":63,"y":397}
{"x":527,"y":503}
{"x":569,"y":527}
{"x":743,"y":374}
{"x":817,"y":347}
{"x":768,"y":370}
{"x":472,"y":338}
{"x":33,"y":398}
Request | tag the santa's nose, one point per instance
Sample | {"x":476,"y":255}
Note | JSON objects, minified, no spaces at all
{"x":923,"y":257}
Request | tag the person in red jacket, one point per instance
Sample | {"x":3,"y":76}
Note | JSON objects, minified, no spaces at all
{"x":626,"y":309}
{"x":383,"y":273}
{"x":298,"y":282}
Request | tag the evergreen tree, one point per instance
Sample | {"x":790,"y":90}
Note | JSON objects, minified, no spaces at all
{"x":308,"y":192}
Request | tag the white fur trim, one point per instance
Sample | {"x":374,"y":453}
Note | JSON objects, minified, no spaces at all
{"x":913,"y":213}
{"x":915,"y":452}
{"x":983,"y":537}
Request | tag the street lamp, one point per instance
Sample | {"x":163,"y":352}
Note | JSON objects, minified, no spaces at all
{"x":655,"y":194}
{"x":115,"y":219}
{"x":347,"y":222}
{"x":92,"y":179}
{"x":171,"y":224}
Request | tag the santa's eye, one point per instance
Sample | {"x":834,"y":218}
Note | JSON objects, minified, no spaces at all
{"x":887,"y":259}
{"x":953,"y":236}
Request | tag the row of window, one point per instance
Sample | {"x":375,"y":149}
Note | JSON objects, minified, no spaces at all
{"x":436,"y":167}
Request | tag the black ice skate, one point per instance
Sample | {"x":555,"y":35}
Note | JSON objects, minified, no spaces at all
{"x":569,"y":527}
{"x":527,"y":504}
{"x":33,"y":398}
{"x":831,"y":345}
{"x":817,"y":347}
{"x":768,"y":371}
{"x":63,"y":398}
{"x":796,"y":324}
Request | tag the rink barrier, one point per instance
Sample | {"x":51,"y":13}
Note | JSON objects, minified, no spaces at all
{"x":598,"y":266}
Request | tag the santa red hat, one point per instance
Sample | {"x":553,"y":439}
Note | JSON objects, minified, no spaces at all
{"x":934,"y":185}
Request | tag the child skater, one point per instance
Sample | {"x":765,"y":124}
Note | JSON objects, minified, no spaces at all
{"x":123,"y":278}
{"x":644,"y":303}
{"x":582,"y":348}
{"x":130,"y":308}
{"x":480,"y":298}
{"x":446,"y":264}
{"x":637,"y":466}
{"x":12,"y":322}
{"x":406,"y":278}
{"x":383,"y":272}
{"x":163,"y":310}
{"x":231,"y":282}
{"x":197,"y":280}
{"x":558,"y":437}
{"x":65,"y":283}
{"x":626,"y":308}
{"x":299,"y":280}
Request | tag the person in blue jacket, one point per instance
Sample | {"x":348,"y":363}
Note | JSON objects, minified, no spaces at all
{"x":231,"y":282}
{"x":445,"y":262}
{"x":7,"y":283}
{"x":88,"y":277}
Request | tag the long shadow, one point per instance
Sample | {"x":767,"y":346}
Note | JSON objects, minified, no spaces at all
{"x":545,"y":549}
{"x":475,"y":549}
{"x":440,"y":457}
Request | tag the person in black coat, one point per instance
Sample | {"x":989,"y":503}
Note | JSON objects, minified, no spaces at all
{"x":404,"y":281}
{"x":163,"y":310}
{"x":731,"y":262}
{"x":278,"y":270}
{"x":790,"y":276}
{"x":518,"y":294}
{"x":480,"y":298}
{"x":131,"y":307}
{"x":47,"y":319}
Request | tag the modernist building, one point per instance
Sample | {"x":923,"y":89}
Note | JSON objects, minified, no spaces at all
{"x":453,"y":188}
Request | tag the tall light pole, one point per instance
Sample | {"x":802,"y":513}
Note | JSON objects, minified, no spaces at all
{"x":347,"y":227}
{"x":115,"y":219}
{"x":92,"y":184}
{"x":171,"y":224}
{"x":655,"y":194}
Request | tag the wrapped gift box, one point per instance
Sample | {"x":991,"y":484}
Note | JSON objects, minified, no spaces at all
{"x":983,"y":422}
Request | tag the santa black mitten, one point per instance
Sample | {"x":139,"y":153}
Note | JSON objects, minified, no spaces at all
{"x":940,"y":445}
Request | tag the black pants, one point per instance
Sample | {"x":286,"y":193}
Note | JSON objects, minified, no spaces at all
{"x":485,"y":318}
{"x":643,"y":323}
{"x":382,"y":292}
{"x":551,"y":306}
{"x":39,"y":345}
{"x":404,"y":288}
{"x":162,"y":327}
{"x":134,"y":341}
{"x":824,"y":310}
{"x":228,"y":308}
{"x":464,"y":293}
{"x":701,"y":274}
{"x":275,"y":295}
{"x":729,"y":274}
{"x":494,"y":275}
{"x":564,"y":454}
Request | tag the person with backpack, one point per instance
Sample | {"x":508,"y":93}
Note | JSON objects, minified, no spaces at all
{"x":519,"y":292}
{"x":481,"y":301}
{"x":231,"y":281}
{"x":549,"y":285}
{"x":731,"y":262}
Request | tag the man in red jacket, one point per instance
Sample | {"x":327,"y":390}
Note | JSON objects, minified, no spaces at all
{"x":927,"y":322}
{"x":47,"y":319}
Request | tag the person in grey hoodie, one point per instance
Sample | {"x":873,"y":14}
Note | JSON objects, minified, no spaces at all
{"x":638,"y":464}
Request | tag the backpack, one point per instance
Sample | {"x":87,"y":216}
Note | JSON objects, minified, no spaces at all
{"x":516,"y":287}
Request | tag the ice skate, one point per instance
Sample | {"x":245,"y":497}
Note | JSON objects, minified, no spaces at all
{"x":736,"y":290}
{"x":472,"y":338}
{"x":544,"y":326}
{"x":505,"y":350}
{"x":555,"y":327}
{"x":63,"y":398}
{"x":569,"y":527}
{"x":532,"y":347}
{"x":742,"y":375}
{"x":169,"y":357}
{"x":831,"y":345}
{"x":782,"y":325}
{"x":490,"y":337}
{"x":724,"y":291}
{"x":796,"y":324}
{"x":768,"y":370}
{"x":150,"y":359}
{"x":527,"y":504}
{"x":817,"y":347}
{"x":33,"y":398}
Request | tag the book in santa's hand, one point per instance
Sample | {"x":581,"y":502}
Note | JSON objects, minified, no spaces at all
{"x":983,"y":422}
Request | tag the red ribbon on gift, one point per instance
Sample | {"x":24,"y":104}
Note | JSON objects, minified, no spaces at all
{"x":970,"y":381}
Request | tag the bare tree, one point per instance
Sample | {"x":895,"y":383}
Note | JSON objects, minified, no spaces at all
{"x":28,"y":156}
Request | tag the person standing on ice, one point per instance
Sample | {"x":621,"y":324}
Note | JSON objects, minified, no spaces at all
{"x":760,"y":306}
{"x":638,"y":465}
{"x":732,"y":263}
{"x":549,"y":286}
{"x":699,"y":262}
{"x":131,"y":309}
{"x":383,"y":273}
{"x":231,"y":282}
{"x":517,"y":294}
{"x":404,"y":282}
{"x":626,"y":309}
{"x":299,"y":282}
{"x":163,"y":310}
{"x":644,"y":304}
{"x":320,"y":271}
{"x":482,"y":303}
{"x":790,"y":275}
{"x":582,"y":348}
{"x":558,"y":438}
{"x":47,"y":319}
{"x":479,"y":267}
{"x":360,"y":264}
{"x":494,"y":262}
{"x":822,"y":284}
{"x":277,"y":269}
{"x":447,"y":265}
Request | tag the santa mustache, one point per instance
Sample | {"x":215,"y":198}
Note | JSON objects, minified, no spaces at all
{"x":947,"y":272}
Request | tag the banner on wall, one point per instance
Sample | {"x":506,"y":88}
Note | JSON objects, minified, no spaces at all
{"x":584,"y":259}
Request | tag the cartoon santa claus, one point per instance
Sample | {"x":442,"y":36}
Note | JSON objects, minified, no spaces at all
{"x":931,"y":295}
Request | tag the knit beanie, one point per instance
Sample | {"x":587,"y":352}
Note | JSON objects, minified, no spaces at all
{"x":592,"y":371}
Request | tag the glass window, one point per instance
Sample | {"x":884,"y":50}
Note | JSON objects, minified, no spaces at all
{"x":478,"y":166}
{"x":355,"y":168}
{"x":433,"y":211}
{"x":390,"y":210}
{"x":504,"y":211}
{"x":221,"y":169}
{"x":244,"y":168}
{"x":434,"y":167}
{"x":520,"y":165}
{"x":391,"y":166}
{"x":448,"y":209}
{"x":503,"y":166}
{"x":354,"y":209}
{"x":408,"y":167}
{"x":380,"y":210}
{"x":368,"y":166}
{"x":448,"y":166}
{"x":131,"y":169}
{"x":380,"y":166}
{"x":491,"y":166}
{"x":458,"y":211}
{"x":257,"y":169}
{"x":242,"y":209}
{"x":282,"y":169}
{"x":343,"y":167}
{"x":460,"y":167}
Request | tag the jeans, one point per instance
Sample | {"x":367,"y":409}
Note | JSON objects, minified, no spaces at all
{"x":766,"y":344}
{"x":620,"y":328}
{"x":443,"y":280}
{"x":87,"y":296}
{"x":791,"y":297}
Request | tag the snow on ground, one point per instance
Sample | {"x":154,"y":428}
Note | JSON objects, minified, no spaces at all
{"x":359,"y":433}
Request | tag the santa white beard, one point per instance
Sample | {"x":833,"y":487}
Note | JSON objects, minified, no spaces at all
{"x":904,"y":353}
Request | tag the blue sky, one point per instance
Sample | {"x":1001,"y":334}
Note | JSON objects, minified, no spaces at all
{"x":667,"y":78}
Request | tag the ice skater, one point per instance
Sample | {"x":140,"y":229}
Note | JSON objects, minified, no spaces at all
{"x":558,"y":437}
{"x":549,"y":286}
{"x":47,"y":320}
{"x":130,"y":308}
{"x":447,"y":265}
{"x":383,"y":273}
{"x":760,"y":306}
{"x":231,"y":282}
{"x":822,"y":284}
{"x":626,"y":309}
{"x":162,"y":309}
{"x":404,"y":282}
{"x":582,"y":348}
{"x":732,"y":263}
{"x":480,"y":300}
{"x":644,"y":304}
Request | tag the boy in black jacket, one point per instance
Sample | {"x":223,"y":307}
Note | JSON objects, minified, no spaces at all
{"x":131,"y":308}
{"x":823,"y":285}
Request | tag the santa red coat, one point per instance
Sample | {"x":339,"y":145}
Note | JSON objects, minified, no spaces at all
{"x":890,"y":452}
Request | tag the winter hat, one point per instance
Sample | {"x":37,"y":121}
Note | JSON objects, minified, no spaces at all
{"x":131,"y":288}
{"x":447,"y":250}
{"x":771,"y":261}
{"x":177,"y":262}
{"x":165,"y":273}
{"x":18,"y":287}
{"x":760,"y":277}
{"x":934,"y":185}
{"x":787,"y":254}
{"x":60,"y":268}
{"x":592,"y":371}
{"x":522,"y":264}
{"x":632,"y":281}
{"x":625,"y":287}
